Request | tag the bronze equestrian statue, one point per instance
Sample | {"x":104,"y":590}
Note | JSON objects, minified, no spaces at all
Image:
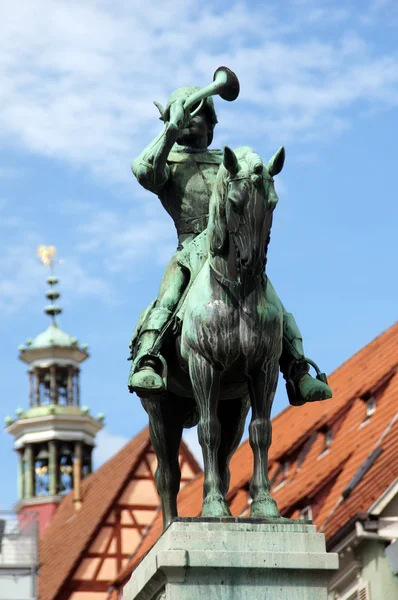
{"x":212,"y":343}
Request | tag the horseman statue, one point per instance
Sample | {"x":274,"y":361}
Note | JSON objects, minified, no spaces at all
{"x":217,"y":321}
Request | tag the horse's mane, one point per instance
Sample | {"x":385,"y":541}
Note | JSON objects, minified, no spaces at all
{"x":249,"y":160}
{"x":249,"y":163}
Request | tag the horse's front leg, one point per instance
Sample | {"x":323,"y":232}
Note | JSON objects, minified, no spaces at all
{"x":165,"y":429}
{"x":206,"y":384}
{"x":262,"y":385}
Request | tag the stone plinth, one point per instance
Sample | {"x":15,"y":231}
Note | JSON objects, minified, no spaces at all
{"x":234,"y":559}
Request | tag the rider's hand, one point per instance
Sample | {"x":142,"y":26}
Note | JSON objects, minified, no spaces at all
{"x":178,"y":116}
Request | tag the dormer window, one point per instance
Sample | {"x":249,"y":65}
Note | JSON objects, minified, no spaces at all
{"x":328,"y":438}
{"x":279,"y":478}
{"x":370,"y":406}
{"x":370,"y":401}
{"x":306,"y":513}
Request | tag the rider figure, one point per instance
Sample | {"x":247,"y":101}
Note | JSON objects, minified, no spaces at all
{"x":180,"y":169}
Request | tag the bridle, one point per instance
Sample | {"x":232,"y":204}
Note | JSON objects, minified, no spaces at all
{"x":221,"y":279}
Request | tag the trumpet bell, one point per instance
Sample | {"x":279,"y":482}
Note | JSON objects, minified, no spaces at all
{"x":229,"y":84}
{"x":225,"y":84}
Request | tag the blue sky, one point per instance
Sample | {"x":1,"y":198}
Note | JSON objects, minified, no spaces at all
{"x":77,"y":81}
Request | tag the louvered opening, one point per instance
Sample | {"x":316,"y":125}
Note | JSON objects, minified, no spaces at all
{"x":361,"y":593}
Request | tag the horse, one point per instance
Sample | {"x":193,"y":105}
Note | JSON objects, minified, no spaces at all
{"x":225,"y":358}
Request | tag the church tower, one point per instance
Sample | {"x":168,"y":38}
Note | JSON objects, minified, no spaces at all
{"x":54,"y":436}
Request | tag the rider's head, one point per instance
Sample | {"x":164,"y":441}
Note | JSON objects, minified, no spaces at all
{"x":201,"y":125}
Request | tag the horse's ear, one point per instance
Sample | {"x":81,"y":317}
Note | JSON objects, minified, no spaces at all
{"x":230,"y":161}
{"x":276,"y":163}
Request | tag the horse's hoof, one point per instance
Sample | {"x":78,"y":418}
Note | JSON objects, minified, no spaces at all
{"x":215,"y":505}
{"x":265,"y":508}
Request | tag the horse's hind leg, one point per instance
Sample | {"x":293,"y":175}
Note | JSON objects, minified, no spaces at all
{"x":232,"y":416}
{"x":206,"y":383}
{"x":166,"y":418}
{"x":262,"y":385}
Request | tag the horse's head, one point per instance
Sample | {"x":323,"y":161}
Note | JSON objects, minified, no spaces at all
{"x":241,"y":209}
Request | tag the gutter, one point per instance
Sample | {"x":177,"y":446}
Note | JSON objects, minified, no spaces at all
{"x":349,"y":528}
{"x":359,"y":528}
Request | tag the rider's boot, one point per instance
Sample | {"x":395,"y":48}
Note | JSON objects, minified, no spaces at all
{"x":146,"y":377}
{"x":146,"y":371}
{"x":300,"y":385}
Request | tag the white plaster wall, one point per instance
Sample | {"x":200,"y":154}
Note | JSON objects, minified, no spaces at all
{"x":16,"y":587}
{"x":392,"y":509}
{"x":377,"y":571}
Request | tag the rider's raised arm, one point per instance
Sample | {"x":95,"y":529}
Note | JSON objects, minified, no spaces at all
{"x":150,"y":167}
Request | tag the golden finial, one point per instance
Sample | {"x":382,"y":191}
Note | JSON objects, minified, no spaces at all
{"x":47,"y":254}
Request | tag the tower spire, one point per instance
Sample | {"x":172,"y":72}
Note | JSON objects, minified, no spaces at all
{"x":47,"y":256}
{"x":55,"y":431}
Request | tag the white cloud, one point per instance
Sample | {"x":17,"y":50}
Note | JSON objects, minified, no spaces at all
{"x":22,"y":276}
{"x":107,"y":444}
{"x":124,"y":237}
{"x":77,"y":80}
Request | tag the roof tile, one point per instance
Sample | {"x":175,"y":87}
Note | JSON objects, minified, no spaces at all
{"x":72,"y":530}
{"x":332,"y":470}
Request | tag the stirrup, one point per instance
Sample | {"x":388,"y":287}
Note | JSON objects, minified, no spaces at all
{"x":291,"y":387}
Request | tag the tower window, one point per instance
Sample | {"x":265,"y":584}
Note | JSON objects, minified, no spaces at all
{"x":41,"y":472}
{"x":66,"y":469}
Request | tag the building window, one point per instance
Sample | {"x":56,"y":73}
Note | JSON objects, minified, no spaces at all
{"x":370,"y":406}
{"x":279,"y":478}
{"x":328,"y":438}
{"x":306,"y":513}
{"x":359,"y":591}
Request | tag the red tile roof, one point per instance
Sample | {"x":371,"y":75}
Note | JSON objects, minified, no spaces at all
{"x":70,"y":532}
{"x":316,"y":477}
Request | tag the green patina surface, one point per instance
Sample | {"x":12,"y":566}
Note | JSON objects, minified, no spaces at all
{"x":246,"y":560}
{"x":51,"y":410}
{"x":53,"y":336}
{"x":217,"y":330}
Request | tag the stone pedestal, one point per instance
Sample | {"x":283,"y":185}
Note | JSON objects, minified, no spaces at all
{"x":234,"y":559}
